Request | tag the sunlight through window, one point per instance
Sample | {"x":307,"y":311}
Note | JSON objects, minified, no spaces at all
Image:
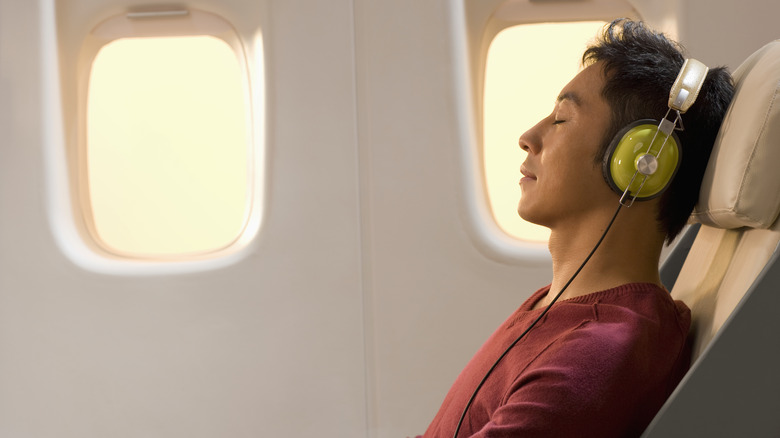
{"x":166,"y":146}
{"x":527,"y":65}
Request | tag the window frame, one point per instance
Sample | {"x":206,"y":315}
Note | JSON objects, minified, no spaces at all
{"x":67,"y":46}
{"x":178,"y":22}
{"x":474,"y":24}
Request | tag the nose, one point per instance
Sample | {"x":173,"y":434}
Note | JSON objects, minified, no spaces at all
{"x":530,"y":141}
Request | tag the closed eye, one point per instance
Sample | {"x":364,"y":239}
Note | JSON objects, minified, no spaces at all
{"x":558,"y":122}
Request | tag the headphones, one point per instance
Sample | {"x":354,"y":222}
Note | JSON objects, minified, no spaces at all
{"x":643,"y":158}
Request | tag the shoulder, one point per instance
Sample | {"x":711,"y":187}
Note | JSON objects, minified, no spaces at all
{"x":642,"y":307}
{"x":628,"y":328}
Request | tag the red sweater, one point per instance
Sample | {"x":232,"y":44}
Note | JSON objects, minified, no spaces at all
{"x":598,"y":365}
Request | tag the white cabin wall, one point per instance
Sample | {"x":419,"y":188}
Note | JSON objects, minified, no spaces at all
{"x":717,"y":32}
{"x":728,"y":33}
{"x":433,"y":292}
{"x":269,"y":345}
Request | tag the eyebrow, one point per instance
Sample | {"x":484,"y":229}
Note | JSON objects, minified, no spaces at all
{"x":572,"y":96}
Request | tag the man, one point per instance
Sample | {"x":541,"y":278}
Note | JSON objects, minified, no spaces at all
{"x":608,"y":353}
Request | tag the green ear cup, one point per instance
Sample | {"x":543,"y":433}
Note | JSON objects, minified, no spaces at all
{"x":631,"y":143}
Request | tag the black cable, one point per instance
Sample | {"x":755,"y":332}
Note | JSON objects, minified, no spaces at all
{"x":541,"y":315}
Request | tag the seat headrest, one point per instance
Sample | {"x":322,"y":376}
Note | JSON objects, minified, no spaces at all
{"x":741,"y":186}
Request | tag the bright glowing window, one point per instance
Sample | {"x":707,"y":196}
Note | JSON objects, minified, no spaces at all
{"x":167,"y":146}
{"x":527,"y":65}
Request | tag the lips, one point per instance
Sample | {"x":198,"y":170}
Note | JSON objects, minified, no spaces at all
{"x":527,"y":174}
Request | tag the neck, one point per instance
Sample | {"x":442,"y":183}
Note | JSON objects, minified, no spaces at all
{"x":629,"y":252}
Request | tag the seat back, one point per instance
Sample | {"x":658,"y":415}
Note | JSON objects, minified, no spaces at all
{"x":731,"y":276}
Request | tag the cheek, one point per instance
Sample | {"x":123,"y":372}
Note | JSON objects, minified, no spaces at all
{"x":571,"y":164}
{"x":578,"y":173}
{"x":584,"y":161}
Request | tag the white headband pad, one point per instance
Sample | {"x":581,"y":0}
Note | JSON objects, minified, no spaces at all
{"x":687,"y":85}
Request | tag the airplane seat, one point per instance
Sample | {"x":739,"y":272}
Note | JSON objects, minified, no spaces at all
{"x":730,"y":277}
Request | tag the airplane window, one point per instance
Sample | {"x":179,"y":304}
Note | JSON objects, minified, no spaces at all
{"x":527,"y":65}
{"x":167,"y":146}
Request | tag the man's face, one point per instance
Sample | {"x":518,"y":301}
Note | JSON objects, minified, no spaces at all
{"x":561,"y":178}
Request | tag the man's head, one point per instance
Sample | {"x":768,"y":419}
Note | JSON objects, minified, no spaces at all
{"x":640,"y":66}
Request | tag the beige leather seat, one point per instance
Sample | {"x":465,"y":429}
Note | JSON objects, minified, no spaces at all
{"x":731,"y":276}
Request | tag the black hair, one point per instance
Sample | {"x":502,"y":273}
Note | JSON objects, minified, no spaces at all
{"x":640,"y":66}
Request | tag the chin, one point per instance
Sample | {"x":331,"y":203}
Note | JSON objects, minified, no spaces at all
{"x":533,"y":214}
{"x":527,"y":215}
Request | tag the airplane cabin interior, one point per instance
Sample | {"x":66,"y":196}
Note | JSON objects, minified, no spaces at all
{"x":274,"y":218}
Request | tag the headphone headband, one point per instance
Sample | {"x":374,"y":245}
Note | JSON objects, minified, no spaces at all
{"x":687,"y":85}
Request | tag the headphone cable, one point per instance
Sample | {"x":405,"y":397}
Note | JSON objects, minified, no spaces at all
{"x":541,"y":315}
